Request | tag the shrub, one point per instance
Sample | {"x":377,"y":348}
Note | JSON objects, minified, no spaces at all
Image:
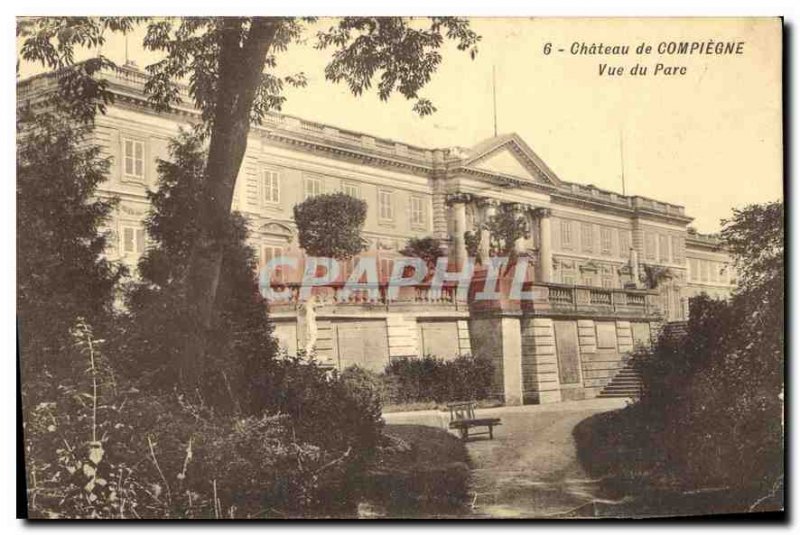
{"x":712,"y":405}
{"x":432,"y":379}
{"x":96,"y":448}
{"x":336,"y":413}
{"x":429,"y":249}
{"x":330,"y":225}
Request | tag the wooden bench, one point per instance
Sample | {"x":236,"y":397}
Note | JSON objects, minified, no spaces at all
{"x":462,"y":417}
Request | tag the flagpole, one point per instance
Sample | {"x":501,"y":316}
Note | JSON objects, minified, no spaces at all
{"x":494,"y":100}
{"x":622,"y":159}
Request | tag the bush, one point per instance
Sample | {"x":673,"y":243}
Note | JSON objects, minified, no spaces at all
{"x":330,"y":225}
{"x":96,"y":448}
{"x":711,"y":414}
{"x":338,"y":413}
{"x":431,"y":379}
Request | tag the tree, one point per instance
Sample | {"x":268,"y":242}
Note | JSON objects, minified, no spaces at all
{"x":61,"y":271}
{"x":755,"y":237}
{"x":224,"y":59}
{"x":429,"y":249}
{"x":330,"y":225}
{"x":712,"y":404}
{"x":241,"y":349}
{"x":505,"y":228}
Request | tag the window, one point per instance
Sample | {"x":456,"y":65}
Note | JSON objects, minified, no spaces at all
{"x":270,"y":187}
{"x":650,"y":245}
{"x":587,"y":281}
{"x":586,"y":237}
{"x":624,"y":243}
{"x":608,"y":282}
{"x":133,"y":159}
{"x":133,"y":240}
{"x":567,"y":279}
{"x":663,"y":248}
{"x":313,"y":187}
{"x":566,"y":234}
{"x":704,"y":270}
{"x":268,"y":253}
{"x":385,"y":209}
{"x":605,"y":240}
{"x":417,"y":211}
{"x":349,"y":188}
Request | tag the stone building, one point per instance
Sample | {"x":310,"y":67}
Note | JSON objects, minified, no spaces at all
{"x":608,"y":269}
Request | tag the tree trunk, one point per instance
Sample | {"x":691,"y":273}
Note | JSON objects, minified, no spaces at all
{"x":241,"y":65}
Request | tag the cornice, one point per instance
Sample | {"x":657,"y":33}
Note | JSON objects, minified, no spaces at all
{"x":341,"y":151}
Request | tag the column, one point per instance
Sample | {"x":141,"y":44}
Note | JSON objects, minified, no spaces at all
{"x":458,"y":213}
{"x":545,"y":245}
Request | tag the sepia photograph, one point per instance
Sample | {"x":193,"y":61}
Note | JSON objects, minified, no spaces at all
{"x":394,"y":267}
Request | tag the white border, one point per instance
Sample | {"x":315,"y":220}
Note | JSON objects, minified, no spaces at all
{"x":539,"y":8}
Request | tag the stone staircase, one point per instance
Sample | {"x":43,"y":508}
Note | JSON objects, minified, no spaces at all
{"x":627,"y":383}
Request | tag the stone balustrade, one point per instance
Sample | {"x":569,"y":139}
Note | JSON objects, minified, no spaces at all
{"x":337,"y":294}
{"x":547,"y":299}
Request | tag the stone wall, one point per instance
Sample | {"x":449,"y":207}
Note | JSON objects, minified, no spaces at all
{"x":555,"y":359}
{"x":539,"y":361}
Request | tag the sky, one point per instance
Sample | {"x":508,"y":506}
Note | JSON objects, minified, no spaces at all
{"x":709,"y":140}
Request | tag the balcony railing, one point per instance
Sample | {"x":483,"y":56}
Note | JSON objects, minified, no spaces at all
{"x":548,"y":298}
{"x":290,"y":293}
{"x":587,"y":300}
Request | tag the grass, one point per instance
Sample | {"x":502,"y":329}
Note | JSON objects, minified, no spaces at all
{"x":422,"y":472}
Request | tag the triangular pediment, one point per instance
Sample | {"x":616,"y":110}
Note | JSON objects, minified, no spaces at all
{"x":276,"y":229}
{"x":509,"y":155}
{"x":504,"y":161}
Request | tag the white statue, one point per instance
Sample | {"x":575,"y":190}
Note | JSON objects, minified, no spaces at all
{"x":309,"y":308}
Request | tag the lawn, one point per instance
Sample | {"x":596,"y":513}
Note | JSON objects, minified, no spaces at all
{"x":422,"y":472}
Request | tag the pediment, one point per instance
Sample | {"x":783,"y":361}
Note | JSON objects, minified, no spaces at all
{"x":509,"y":155}
{"x":504,"y":161}
{"x":277,"y":229}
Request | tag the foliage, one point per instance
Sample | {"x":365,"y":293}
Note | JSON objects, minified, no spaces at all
{"x":505,"y":228}
{"x":464,"y":378}
{"x":61,"y":271}
{"x":51,"y":41}
{"x":472,"y":242}
{"x":405,"y":54}
{"x":242,"y":346}
{"x":711,"y":414}
{"x":655,"y":275}
{"x":330,"y":225}
{"x":429,"y":249}
{"x":755,"y":237}
{"x":402,"y":53}
{"x":97,"y":448}
{"x":339,"y":414}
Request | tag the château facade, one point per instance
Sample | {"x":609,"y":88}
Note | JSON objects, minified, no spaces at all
{"x":610,"y":269}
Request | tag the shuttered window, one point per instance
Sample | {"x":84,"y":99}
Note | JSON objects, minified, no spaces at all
{"x":270,"y":187}
{"x":133,"y":158}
